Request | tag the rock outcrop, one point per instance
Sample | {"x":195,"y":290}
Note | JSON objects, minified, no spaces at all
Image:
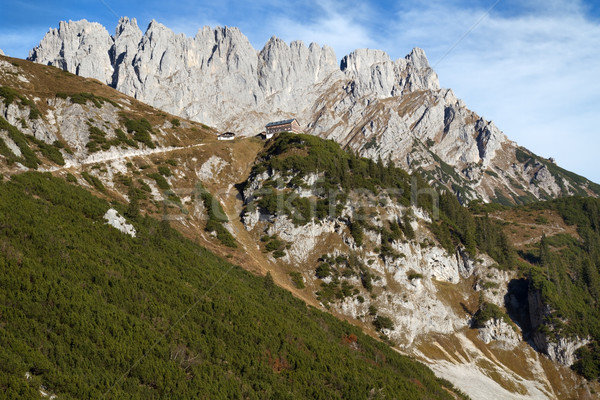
{"x":114,"y":219}
{"x":80,"y":47}
{"x":497,"y":330}
{"x":557,"y":348}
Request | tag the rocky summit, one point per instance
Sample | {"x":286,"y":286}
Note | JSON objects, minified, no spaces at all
{"x":380,"y":108}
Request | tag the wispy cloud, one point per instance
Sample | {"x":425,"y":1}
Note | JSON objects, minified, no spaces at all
{"x":333,"y":25}
{"x":531,"y":72}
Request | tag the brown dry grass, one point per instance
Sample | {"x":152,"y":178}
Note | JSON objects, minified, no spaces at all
{"x":525,"y":228}
{"x":46,"y":81}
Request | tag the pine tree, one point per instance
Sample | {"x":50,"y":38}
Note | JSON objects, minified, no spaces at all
{"x":269,"y":283}
{"x":591,"y":278}
{"x":544,"y":252}
{"x":133,"y":210}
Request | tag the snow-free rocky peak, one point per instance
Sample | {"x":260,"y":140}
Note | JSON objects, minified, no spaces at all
{"x":369,"y":103}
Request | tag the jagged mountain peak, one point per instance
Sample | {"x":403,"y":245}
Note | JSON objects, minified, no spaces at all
{"x":372,"y":104}
{"x":125,"y":22}
{"x":418,"y":58}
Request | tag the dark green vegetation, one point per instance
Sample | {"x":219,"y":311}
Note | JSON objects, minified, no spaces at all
{"x":275,"y":246}
{"x":383,"y":322}
{"x":489,"y":311}
{"x":138,"y":131}
{"x":87,"y":303}
{"x":94,"y":181}
{"x":340,"y":269}
{"x":297,"y":279}
{"x":141,"y":130}
{"x":28,"y":157}
{"x":161,"y":182}
{"x":98,"y":140}
{"x":216,"y":217}
{"x":566,"y":272}
{"x":83,"y":98}
{"x":164,"y":170}
{"x":10,"y":95}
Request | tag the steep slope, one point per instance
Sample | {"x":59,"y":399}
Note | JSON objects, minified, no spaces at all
{"x":432,"y":281}
{"x":92,"y":312}
{"x":139,"y":311}
{"x":371,"y":104}
{"x":345,"y":234}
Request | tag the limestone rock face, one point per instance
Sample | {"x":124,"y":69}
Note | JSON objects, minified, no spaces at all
{"x":80,"y":47}
{"x":218,"y":78}
{"x":126,"y":40}
{"x":496,"y":330}
{"x":375,"y":106}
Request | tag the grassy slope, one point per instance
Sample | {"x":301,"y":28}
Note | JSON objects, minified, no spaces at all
{"x":86,"y":302}
{"x":45,"y":84}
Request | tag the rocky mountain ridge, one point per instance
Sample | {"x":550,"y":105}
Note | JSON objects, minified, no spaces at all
{"x":429,"y":294}
{"x":368,"y":103}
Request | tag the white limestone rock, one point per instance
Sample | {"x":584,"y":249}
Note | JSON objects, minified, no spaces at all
{"x":562,"y":350}
{"x":497,"y":330}
{"x":80,"y":47}
{"x":303,"y":239}
{"x":211,"y":168}
{"x":113,"y":218}
{"x":371,"y":104}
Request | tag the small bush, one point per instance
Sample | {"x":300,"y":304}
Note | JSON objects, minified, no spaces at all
{"x":414,"y":275}
{"x":161,"y":182}
{"x":141,"y":130}
{"x":164,"y":171}
{"x":323,"y":271}
{"x":71,"y":178}
{"x":94,"y":181}
{"x":486,"y":312}
{"x":297,"y":279}
{"x":144,"y":186}
{"x":382,"y":322}
{"x":278,"y":253}
{"x":273,"y":245}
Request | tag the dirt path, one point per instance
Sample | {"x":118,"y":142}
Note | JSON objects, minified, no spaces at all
{"x":540,"y":230}
{"x":109,"y":156}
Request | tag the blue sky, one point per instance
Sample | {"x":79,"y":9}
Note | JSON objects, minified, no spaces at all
{"x":530,"y":66}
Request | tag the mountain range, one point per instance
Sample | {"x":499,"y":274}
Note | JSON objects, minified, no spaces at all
{"x":120,"y":204}
{"x":368,"y":103}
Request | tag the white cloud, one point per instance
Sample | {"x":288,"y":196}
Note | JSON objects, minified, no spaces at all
{"x":342,"y":30}
{"x":534,"y":74}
